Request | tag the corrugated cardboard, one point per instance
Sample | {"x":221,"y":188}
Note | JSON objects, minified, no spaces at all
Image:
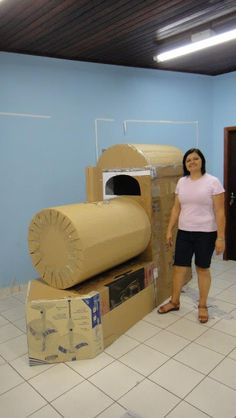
{"x":69,"y":244}
{"x":62,"y":326}
{"x":116,"y":322}
{"x":123,"y":281}
{"x":66,"y":325}
{"x":157,"y":196}
{"x":139,"y":155}
{"x":164,"y":164}
{"x":92,"y":173}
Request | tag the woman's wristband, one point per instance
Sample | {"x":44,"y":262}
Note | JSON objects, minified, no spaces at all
{"x":220,"y":239}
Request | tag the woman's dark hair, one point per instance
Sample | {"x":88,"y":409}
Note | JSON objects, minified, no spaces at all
{"x":197,"y":151}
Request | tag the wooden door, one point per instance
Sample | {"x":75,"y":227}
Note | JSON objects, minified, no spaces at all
{"x":230,"y":191}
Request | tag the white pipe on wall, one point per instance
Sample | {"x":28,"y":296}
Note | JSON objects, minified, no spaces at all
{"x":25,"y":115}
{"x":173,"y":122}
{"x":96,"y":132}
{"x":156,"y":121}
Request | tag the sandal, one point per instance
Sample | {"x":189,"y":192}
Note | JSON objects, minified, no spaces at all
{"x":168,"y":307}
{"x":202,"y":314}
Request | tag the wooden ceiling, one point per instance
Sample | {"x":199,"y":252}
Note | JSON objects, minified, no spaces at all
{"x":120,"y":32}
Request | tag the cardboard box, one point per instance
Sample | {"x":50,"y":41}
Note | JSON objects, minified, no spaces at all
{"x":62,"y":326}
{"x":116,"y":322}
{"x":67,"y":325}
{"x":118,"y":284}
{"x":156,"y":169}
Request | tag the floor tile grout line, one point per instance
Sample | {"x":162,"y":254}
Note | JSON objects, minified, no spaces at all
{"x":170,"y":358}
{"x":223,"y":300}
{"x":31,"y":377}
{"x":115,"y":400}
{"x":27,"y":380}
{"x":99,"y":413}
{"x":147,"y":377}
{"x":154,"y":383}
{"x":18,"y":384}
{"x":217,"y":352}
{"x":200,"y":410}
{"x":48,"y":404}
{"x":204,"y":377}
{"x":131,"y":349}
{"x":12,"y":338}
{"x":143,"y":343}
{"x":93,"y":374}
{"x":172,"y":409}
{"x":223,"y":280}
{"x":13,"y":323}
{"x":209,"y":377}
{"x":21,"y":383}
{"x":57,"y":397}
{"x":12,"y":388}
{"x":182,"y":398}
{"x":194,"y":341}
{"x":223,"y":332}
{"x":208,"y":374}
{"x":140,"y":343}
{"x":222,"y":383}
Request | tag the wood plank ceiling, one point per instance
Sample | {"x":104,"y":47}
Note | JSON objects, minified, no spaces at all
{"x":121,"y":32}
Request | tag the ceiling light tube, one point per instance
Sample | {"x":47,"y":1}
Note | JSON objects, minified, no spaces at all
{"x":196,"y":46}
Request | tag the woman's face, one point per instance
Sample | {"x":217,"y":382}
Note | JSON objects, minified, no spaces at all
{"x":193,"y":163}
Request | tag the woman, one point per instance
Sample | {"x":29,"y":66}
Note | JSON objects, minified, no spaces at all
{"x":199,"y":210}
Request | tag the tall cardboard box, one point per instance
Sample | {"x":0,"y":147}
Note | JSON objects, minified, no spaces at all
{"x":156,"y":170}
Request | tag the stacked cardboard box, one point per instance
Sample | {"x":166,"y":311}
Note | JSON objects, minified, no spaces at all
{"x":77,"y":323}
{"x":163,"y":195}
{"x":156,"y":169}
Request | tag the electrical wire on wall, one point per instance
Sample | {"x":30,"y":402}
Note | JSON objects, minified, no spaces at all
{"x":96,"y":132}
{"x":155,"y":121}
{"x":170,"y":122}
{"x":25,"y":115}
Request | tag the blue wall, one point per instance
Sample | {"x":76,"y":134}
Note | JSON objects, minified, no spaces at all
{"x":42,"y":160}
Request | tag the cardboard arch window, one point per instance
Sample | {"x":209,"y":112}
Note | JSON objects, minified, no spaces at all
{"x":122,"y":182}
{"x":122,"y":185}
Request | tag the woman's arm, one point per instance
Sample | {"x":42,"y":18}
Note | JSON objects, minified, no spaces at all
{"x":219,"y":209}
{"x":174,"y":216}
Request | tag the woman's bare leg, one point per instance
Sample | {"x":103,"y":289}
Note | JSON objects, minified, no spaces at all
{"x":204,"y":284}
{"x":179,"y":275}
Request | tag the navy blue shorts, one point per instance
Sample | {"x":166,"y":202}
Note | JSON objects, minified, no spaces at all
{"x":199,"y":244}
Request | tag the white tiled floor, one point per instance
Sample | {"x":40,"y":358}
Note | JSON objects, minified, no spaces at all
{"x":165,"y":366}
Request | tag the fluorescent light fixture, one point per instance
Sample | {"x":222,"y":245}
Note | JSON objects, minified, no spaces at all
{"x":196,"y":46}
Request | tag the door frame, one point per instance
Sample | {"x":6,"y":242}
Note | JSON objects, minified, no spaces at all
{"x":227,"y":132}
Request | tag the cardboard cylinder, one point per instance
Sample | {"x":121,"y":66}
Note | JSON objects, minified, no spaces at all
{"x":69,"y":244}
{"x":141,"y":155}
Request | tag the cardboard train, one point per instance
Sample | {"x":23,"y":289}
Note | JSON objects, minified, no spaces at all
{"x":103,"y":264}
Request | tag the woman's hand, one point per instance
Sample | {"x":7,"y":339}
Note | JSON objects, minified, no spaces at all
{"x":218,"y":203}
{"x":173,"y":219}
{"x":219,"y":246}
{"x":169,"y":238}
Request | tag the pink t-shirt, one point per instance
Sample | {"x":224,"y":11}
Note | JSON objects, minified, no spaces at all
{"x":196,"y":202}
